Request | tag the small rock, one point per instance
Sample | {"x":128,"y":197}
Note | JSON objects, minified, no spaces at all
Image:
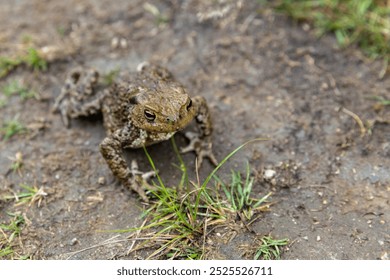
{"x":318,"y":238}
{"x":74,"y":241}
{"x":117,"y":42}
{"x":101,"y":180}
{"x":114,"y":42}
{"x":123,"y":43}
{"x":306,"y":27}
{"x":385,"y":256}
{"x":269,"y":174}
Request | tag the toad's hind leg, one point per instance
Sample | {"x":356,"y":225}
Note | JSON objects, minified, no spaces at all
{"x":80,"y":96}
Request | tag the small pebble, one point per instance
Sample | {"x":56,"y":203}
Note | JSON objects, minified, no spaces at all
{"x":318,"y":238}
{"x":101,"y":180}
{"x":385,"y":256}
{"x":114,"y":42}
{"x":118,"y":43}
{"x":269,"y":174}
{"x":123,"y":43}
{"x":306,"y":27}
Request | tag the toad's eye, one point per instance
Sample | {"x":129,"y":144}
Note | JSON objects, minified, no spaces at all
{"x":149,"y":115}
{"x":189,"y":105}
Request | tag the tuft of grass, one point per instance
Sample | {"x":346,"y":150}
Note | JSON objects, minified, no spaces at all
{"x":185,"y":253}
{"x":110,"y":77}
{"x":161,"y":19}
{"x":11,"y":88}
{"x":11,"y":128}
{"x":17,"y":163}
{"x":32,"y":58}
{"x":177,"y":224}
{"x":8,"y":233}
{"x":270,"y":248}
{"x":30,"y":195}
{"x":8,"y":64}
{"x":5,"y":250}
{"x":364,"y":22}
{"x":239,"y":192}
{"x":13,"y":229}
{"x":16,"y":88}
{"x":381,"y":101}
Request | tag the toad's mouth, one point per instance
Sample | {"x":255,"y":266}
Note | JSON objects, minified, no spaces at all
{"x":168,"y":127}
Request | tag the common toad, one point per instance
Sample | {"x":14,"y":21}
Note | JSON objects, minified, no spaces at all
{"x":138,"y":111}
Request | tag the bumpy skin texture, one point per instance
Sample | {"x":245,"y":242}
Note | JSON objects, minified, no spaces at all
{"x":137,"y":111}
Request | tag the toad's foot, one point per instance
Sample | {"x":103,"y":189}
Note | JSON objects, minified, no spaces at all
{"x":138,"y":181}
{"x":201,"y":147}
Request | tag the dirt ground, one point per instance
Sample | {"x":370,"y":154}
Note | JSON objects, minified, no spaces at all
{"x":262,"y":75}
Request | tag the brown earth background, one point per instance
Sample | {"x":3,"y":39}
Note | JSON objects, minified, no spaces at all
{"x":262,"y":75}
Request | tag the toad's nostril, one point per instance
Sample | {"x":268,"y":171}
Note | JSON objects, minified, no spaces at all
{"x":171,"y":119}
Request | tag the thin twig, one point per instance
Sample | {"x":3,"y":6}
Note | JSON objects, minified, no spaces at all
{"x":357,"y":119}
{"x":205,"y":231}
{"x":137,"y":233}
{"x":197,"y":171}
{"x":333,"y":84}
{"x":105,"y":242}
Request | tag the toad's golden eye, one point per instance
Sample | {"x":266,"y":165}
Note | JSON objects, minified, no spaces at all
{"x":149,"y":115}
{"x":189,"y":105}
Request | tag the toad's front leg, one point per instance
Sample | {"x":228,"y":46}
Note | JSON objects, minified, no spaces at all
{"x":112,"y":151}
{"x":200,"y":142}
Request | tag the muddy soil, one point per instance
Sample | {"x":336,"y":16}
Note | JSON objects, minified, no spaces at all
{"x":262,"y":75}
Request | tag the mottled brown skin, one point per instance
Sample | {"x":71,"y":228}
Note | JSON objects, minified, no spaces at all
{"x":140,"y":111}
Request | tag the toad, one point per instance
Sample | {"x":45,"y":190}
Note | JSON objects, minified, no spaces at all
{"x":138,"y":111}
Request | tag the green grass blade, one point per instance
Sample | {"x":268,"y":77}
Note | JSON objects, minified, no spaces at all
{"x":262,"y":200}
{"x":224,"y":160}
{"x":184,"y":178}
